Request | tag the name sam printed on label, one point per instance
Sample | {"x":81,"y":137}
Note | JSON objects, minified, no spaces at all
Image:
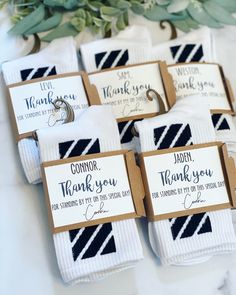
{"x":201,"y":78}
{"x":184,"y":180}
{"x":125,"y":89}
{"x":81,"y":191}
{"x":32,"y":101}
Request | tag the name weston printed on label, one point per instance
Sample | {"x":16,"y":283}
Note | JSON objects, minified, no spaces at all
{"x":33,"y":102}
{"x":86,"y":190}
{"x":184,"y":180}
{"x":203,"y":79}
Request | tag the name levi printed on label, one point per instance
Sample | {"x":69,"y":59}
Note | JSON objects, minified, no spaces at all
{"x":32,"y":101}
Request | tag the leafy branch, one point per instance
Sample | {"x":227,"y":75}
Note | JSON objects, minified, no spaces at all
{"x":36,"y":16}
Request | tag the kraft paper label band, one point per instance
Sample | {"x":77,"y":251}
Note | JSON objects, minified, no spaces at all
{"x":124,"y":88}
{"x":31,"y":102}
{"x":87,"y":190}
{"x":187,"y":180}
{"x":205,"y":79}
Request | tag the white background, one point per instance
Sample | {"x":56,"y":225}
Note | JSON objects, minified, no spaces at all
{"x":27,"y":255}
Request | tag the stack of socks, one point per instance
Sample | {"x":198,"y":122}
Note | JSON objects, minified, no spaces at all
{"x":198,"y":46}
{"x":90,"y":253}
{"x":131,"y":46}
{"x":188,"y":239}
{"x":58,"y":58}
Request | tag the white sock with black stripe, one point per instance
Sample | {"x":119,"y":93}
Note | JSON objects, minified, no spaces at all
{"x":58,"y":58}
{"x":130,"y":46}
{"x":93,"y":252}
{"x":196,"y":46}
{"x":189,"y":239}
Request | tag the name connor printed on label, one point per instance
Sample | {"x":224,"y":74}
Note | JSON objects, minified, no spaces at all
{"x":184,"y":180}
{"x":86,"y":190}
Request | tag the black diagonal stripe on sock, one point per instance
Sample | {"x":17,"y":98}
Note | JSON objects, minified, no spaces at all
{"x":215,"y":119}
{"x":123,"y":59}
{"x":185,"y":52}
{"x":63,"y":148}
{"x":82,"y":240}
{"x":174,"y":50}
{"x":52,"y":72}
{"x":110,"y":247}
{"x":184,"y":137}
{"x":224,"y":125}
{"x":128,"y":135}
{"x":79,"y":147}
{"x":198,"y":54}
{"x":25,"y":73}
{"x":158,"y":133}
{"x":110,"y":59}
{"x":99,"y":57}
{"x":95,"y":148}
{"x":73,"y":233}
{"x":170,"y":136}
{"x":206,"y":227}
{"x":192,"y":225}
{"x":98,"y":241}
{"x":39,"y":73}
{"x":177,"y":226}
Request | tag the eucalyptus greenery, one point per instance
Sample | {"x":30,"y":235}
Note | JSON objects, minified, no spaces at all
{"x":36,"y":16}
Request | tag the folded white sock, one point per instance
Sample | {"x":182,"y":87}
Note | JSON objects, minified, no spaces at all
{"x":188,"y":239}
{"x":198,"y":46}
{"x":195,"y":46}
{"x":93,"y":252}
{"x":58,"y":58}
{"x":225,"y":130}
{"x":130,"y":46}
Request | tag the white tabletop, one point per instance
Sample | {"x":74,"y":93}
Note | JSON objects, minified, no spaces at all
{"x":27,"y":257}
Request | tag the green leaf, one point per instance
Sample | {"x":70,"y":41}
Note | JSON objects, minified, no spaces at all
{"x":122,"y":4}
{"x":120,"y":23}
{"x":97,"y":21}
{"x":177,"y":6}
{"x":219,"y":13}
{"x":78,"y":23}
{"x":137,"y":8}
{"x":107,"y":18}
{"x":126,"y":18}
{"x":67,"y":4}
{"x":29,"y":21}
{"x":201,"y":16}
{"x":89,"y":19}
{"x":192,"y":23}
{"x":230,"y":5}
{"x":109,"y":11}
{"x":80,"y":13}
{"x":47,"y":24}
{"x":157,"y":13}
{"x":82,"y":3}
{"x":62,"y":31}
{"x":182,"y":25}
{"x":94,"y":5}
